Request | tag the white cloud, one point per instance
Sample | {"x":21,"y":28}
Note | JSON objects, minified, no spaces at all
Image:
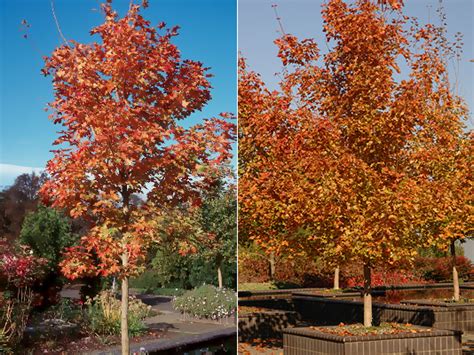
{"x":8,"y":172}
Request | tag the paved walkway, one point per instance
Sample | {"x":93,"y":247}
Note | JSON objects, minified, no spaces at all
{"x":174,"y":330}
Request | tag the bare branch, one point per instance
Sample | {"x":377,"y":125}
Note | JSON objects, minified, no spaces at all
{"x":57,"y":23}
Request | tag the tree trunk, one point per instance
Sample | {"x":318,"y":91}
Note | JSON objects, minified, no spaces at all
{"x":124,"y":313}
{"x":271,"y":259}
{"x":455,"y":273}
{"x":219,"y":276}
{"x":114,"y":285}
{"x":336,"y":278}
{"x":367,"y":297}
{"x":124,"y":302}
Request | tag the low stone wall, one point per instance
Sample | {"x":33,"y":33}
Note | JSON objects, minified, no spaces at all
{"x":266,"y":324}
{"x":302,"y":341}
{"x":344,"y":293}
{"x":456,"y":316}
{"x":329,"y":311}
{"x":334,"y":310}
{"x":280,"y":293}
{"x":279,"y":304}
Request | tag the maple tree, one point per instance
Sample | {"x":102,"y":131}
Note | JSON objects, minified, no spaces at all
{"x":344,"y":166}
{"x":216,"y":219}
{"x":452,"y":192}
{"x":207,"y":231}
{"x":120,"y":101}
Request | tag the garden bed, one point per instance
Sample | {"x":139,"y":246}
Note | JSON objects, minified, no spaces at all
{"x":417,"y":340}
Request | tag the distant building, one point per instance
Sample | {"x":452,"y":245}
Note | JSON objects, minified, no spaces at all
{"x":469,"y":249}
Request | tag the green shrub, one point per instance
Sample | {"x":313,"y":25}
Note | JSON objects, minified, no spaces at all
{"x":102,"y":315}
{"x":65,"y":310}
{"x":148,"y":281}
{"x":207,"y":302}
{"x":4,"y":347}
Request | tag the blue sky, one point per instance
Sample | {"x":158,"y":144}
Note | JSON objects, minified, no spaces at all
{"x":258,"y":28}
{"x":208,"y":34}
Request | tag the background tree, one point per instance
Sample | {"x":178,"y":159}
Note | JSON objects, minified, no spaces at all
{"x":217,"y":219}
{"x":119,"y":101}
{"x":262,"y":128}
{"x":207,"y":231}
{"x":452,"y":200}
{"x":48,"y":233}
{"x":17,"y":200}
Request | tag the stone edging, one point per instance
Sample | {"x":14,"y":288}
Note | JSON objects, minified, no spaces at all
{"x":161,"y":345}
{"x":312,"y":333}
{"x":290,"y":291}
{"x":435,"y":303}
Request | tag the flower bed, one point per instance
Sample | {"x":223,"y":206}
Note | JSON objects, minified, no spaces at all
{"x":207,"y":302}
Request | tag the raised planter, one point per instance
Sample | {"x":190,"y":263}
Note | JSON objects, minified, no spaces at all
{"x":455,"y":316}
{"x":265,"y":324}
{"x":280,"y":293}
{"x":282,"y":304}
{"x":301,"y":341}
{"x":331,"y":311}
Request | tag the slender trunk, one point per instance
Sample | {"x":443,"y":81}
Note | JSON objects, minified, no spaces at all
{"x":336,"y":278}
{"x":455,"y":273}
{"x":367,"y":297}
{"x":124,"y":313}
{"x":114,"y":285}
{"x":272,"y":266}
{"x":219,"y":276}
{"x":124,"y":302}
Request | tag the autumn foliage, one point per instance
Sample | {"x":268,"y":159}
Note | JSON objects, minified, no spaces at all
{"x":120,"y":101}
{"x":351,"y":156}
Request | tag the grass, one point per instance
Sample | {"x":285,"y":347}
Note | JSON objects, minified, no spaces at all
{"x":264,"y":286}
{"x":257,"y":286}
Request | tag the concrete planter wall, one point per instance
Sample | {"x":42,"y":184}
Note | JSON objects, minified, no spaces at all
{"x":419,"y":312}
{"x":332,"y":311}
{"x":278,"y":304}
{"x":265,"y":324}
{"x":302,"y":341}
{"x":456,"y":316}
{"x":265,"y":294}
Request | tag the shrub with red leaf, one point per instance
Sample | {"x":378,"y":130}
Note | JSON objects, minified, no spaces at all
{"x":387,"y":278}
{"x":253,"y":268}
{"x":440,"y":269}
{"x":19,"y":270}
{"x":18,"y":267}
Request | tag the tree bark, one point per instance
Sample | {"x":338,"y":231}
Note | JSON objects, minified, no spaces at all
{"x":455,"y":273}
{"x":124,"y":311}
{"x":367,"y":296}
{"x":271,"y":260}
{"x":124,"y":302}
{"x":219,"y":276}
{"x":336,"y":278}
